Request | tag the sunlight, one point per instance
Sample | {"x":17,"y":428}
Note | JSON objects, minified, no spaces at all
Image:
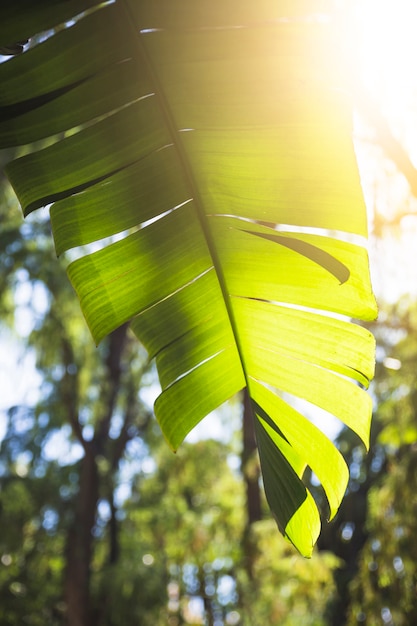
{"x":381,"y":52}
{"x":387,"y":51}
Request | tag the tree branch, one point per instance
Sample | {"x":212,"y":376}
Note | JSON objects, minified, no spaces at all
{"x":116,"y":346}
{"x":391,"y":146}
{"x":70,"y":391}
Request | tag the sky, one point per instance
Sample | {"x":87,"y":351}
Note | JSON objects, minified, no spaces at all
{"x":387,"y":54}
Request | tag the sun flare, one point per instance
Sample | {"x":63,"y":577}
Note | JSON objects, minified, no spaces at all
{"x":382,"y":51}
{"x":386,"y":36}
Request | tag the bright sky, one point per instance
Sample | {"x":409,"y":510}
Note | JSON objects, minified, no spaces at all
{"x":388,"y":51}
{"x":387,"y":55}
{"x":19,"y":379}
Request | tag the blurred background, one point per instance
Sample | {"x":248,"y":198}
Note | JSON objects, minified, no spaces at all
{"x":101,"y":525}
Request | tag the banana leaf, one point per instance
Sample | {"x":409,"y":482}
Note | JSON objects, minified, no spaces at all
{"x":198,"y":157}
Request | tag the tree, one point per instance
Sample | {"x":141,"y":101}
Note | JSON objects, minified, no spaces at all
{"x":384,"y":589}
{"x":186,"y":498}
{"x":218,"y":160}
{"x":53,"y":506}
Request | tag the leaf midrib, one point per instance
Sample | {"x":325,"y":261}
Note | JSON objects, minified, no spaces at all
{"x":174,"y":133}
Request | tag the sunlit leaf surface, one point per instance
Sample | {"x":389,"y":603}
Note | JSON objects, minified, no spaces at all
{"x":215,"y":140}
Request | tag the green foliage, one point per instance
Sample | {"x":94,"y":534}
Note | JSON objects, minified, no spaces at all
{"x":384,"y":590}
{"x":31,"y":546}
{"x":291,"y":591}
{"x":42,"y":457}
{"x":190,"y":513}
{"x":385,"y":587}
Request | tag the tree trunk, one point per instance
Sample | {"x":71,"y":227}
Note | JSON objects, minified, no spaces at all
{"x":79,"y":547}
{"x":114,"y":547}
{"x":250,"y":465}
{"x":80,"y":540}
{"x":250,"y":471}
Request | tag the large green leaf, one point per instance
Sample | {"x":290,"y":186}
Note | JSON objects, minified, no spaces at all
{"x":214,"y":139}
